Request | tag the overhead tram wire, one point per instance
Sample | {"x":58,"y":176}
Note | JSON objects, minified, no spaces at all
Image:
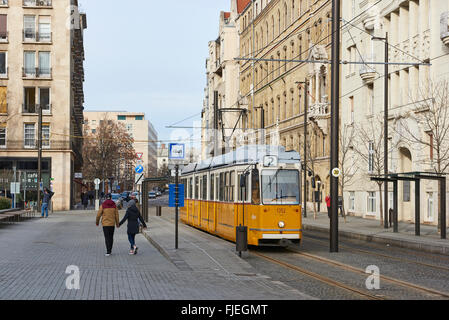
{"x":307,"y":50}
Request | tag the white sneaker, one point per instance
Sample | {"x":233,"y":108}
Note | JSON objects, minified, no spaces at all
{"x":107,"y":254}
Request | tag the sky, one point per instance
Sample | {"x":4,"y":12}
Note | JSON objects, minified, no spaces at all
{"x":149,"y":56}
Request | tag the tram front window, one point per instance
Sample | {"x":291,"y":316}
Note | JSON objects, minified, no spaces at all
{"x":280,"y":186}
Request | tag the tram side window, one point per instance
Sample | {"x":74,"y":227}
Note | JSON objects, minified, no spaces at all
{"x":190,"y":188}
{"x":204,"y":195}
{"x":221,"y":189}
{"x":211,"y":189}
{"x":231,"y":186}
{"x":226,"y":187}
{"x":255,"y":188}
{"x":197,"y":188}
{"x":240,"y":190}
{"x":217,"y":184}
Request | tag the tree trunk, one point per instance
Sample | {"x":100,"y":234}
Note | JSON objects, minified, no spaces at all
{"x":381,"y":206}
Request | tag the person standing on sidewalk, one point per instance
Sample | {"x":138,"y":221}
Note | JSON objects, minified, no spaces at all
{"x":85,"y":199}
{"x":108,"y":213}
{"x":45,"y":201}
{"x":328,"y":205}
{"x":134,"y":220}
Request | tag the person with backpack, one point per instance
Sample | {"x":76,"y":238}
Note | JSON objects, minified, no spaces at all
{"x":134,"y":220}
{"x":45,"y":201}
{"x":108,"y":213}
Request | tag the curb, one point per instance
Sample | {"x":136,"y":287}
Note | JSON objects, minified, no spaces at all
{"x":430,"y":248}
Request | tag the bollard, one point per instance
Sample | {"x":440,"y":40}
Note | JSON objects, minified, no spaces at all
{"x":158,"y":211}
{"x":241,"y":239}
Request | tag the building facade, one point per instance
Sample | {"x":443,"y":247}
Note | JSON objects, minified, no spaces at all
{"x":41,"y":68}
{"x":418,"y":32}
{"x":272,"y":33}
{"x":140,"y":129}
{"x":220,"y":112}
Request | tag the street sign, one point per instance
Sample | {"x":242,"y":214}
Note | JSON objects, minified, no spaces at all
{"x":139,"y":169}
{"x":176,"y":151}
{"x":78,"y":175}
{"x":172,"y":196}
{"x":139,"y":155}
{"x":97,"y":181}
{"x":15,"y":187}
{"x":139,"y":178}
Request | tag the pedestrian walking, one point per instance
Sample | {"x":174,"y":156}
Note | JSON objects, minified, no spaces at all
{"x":45,"y":201}
{"x":108,"y":213}
{"x":328,"y":205}
{"x":85,"y":199}
{"x":134,"y":220}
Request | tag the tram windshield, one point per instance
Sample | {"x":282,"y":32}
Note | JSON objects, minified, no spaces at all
{"x":280,"y":187}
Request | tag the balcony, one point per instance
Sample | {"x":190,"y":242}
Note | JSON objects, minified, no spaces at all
{"x":36,"y":73}
{"x":34,"y":109}
{"x":37,"y":3}
{"x":31,"y":36}
{"x":31,"y":143}
{"x":367,"y":72}
{"x":319,"y":110}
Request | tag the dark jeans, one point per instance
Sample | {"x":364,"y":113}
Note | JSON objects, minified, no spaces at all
{"x":329,"y":212}
{"x":132,"y":239}
{"x":109,"y":238}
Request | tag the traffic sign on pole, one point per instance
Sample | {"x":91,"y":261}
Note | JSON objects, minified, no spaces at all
{"x":139,"y":169}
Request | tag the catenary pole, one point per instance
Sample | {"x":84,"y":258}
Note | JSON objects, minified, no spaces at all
{"x":386,"y":134}
{"x":335,"y":96}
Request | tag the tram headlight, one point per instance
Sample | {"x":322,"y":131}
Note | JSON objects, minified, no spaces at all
{"x":281,"y":224}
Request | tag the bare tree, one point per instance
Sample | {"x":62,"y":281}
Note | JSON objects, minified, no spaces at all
{"x":347,"y":164}
{"x":369,"y":146}
{"x":429,"y":117}
{"x":107,"y":150}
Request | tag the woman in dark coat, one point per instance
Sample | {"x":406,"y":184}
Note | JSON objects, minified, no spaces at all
{"x":133,"y":216}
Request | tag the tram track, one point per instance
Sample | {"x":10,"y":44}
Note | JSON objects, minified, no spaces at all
{"x":347,"y":267}
{"x":318,"y":277}
{"x":351,"y":249}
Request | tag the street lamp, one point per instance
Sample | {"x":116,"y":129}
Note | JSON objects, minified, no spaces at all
{"x":385,"y":127}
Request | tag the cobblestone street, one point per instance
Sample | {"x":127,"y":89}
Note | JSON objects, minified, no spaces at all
{"x":35,"y":255}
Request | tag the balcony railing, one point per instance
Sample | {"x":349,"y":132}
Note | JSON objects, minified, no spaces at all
{"x":35,"y":36}
{"x":33,"y":73}
{"x":37,"y":3}
{"x":320,"y":110}
{"x":34,"y":108}
{"x":31,"y":143}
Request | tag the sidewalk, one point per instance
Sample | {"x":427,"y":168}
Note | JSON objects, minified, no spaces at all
{"x":214,"y":263}
{"x":371,"y":231}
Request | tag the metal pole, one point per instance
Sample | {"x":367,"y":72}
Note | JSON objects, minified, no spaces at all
{"x":39,"y":155}
{"x":176,"y":204}
{"x":306,"y":110}
{"x":417,"y":208}
{"x":443,"y":207}
{"x":386,"y":135}
{"x":395,"y":205}
{"x":335,"y":101}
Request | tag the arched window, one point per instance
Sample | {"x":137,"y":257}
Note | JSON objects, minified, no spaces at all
{"x":285,"y":16}
{"x":272,"y":28}
{"x":293,"y":11}
{"x":279,"y":23}
{"x":267,"y":30}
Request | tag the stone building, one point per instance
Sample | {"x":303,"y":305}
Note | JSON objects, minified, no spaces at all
{"x":41,"y":67}
{"x":418,"y":32}
{"x":272,"y":33}
{"x":220,"y":110}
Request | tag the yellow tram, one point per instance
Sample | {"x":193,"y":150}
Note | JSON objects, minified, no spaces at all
{"x":254,"y":186}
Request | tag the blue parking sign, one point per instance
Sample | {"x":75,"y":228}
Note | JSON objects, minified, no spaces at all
{"x":172,"y":197}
